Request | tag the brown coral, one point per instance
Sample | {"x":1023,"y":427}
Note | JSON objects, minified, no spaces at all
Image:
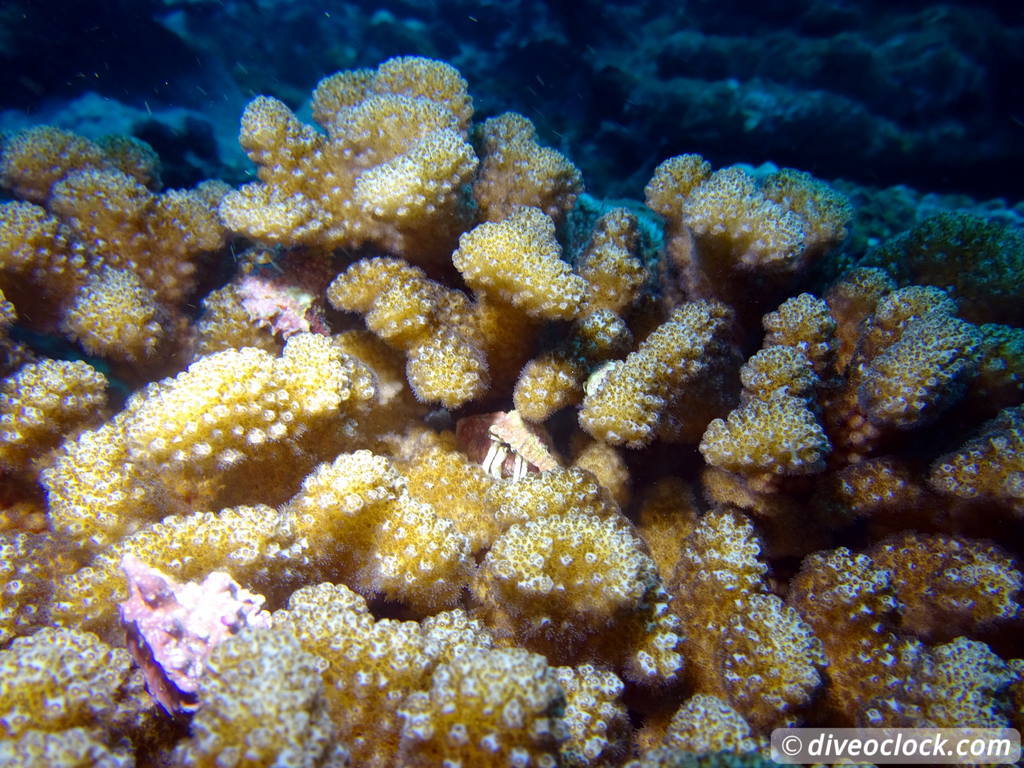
{"x":516,"y":170}
{"x":338,"y":465}
{"x":969,"y":686}
{"x":66,"y":692}
{"x":456,"y":487}
{"x":804,"y":323}
{"x":362,"y":523}
{"x":874,"y":677}
{"x":225,"y":323}
{"x":115,"y":316}
{"x":632,"y":401}
{"x":373,"y":665}
{"x":989,"y":466}
{"x":921,"y":374}
{"x":595,"y":720}
{"x":119,"y":222}
{"x":12,"y":354}
{"x":610,"y":263}
{"x":41,"y":404}
{"x":256,"y":545}
{"x":949,"y":586}
{"x":264,"y":704}
{"x":558,"y":581}
{"x":707,"y":724}
{"x":486,"y":708}
{"x":388,"y":172}
{"x":95,"y":494}
{"x":746,"y":646}
{"x":370,"y":666}
{"x":30,"y":563}
{"x":614,"y":277}
{"x":775,"y":436}
{"x":518,"y":260}
{"x":730,"y":238}
{"x":232,"y":411}
{"x":547,"y":384}
{"x":667,"y":514}
{"x":35,"y":159}
{"x":36,"y":259}
{"x":555,"y":492}
{"x":1000,"y":379}
{"x":852,"y":300}
{"x":435,"y":326}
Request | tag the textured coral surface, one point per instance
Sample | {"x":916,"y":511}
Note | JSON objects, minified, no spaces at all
{"x":521,"y":478}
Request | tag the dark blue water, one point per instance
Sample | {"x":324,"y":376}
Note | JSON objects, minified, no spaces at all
{"x":881,"y":93}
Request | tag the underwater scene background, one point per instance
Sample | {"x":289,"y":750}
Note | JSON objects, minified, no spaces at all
{"x":506,"y":383}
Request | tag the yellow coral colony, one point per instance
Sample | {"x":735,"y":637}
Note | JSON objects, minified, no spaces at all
{"x":413,"y":302}
{"x":388,"y":172}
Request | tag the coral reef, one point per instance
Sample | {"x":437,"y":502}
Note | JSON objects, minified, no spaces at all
{"x":520,"y":477}
{"x":737,"y":240}
{"x":372,"y":665}
{"x":517,"y":260}
{"x":41,"y":404}
{"x":745,"y":646}
{"x":518,"y":171}
{"x":69,"y":699}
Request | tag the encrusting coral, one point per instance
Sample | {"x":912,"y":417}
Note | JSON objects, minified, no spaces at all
{"x":487,"y":451}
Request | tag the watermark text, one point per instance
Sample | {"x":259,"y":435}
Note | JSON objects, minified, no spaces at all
{"x":896,"y":746}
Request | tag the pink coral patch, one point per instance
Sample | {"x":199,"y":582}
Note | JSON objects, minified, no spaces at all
{"x":172,"y":627}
